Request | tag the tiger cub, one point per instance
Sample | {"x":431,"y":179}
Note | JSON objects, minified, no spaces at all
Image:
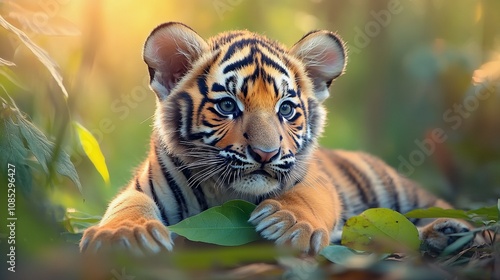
{"x":238,"y":117}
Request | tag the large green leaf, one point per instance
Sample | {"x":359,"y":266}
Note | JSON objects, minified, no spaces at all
{"x":382,"y":230}
{"x":223,"y":225}
{"x":92,"y":150}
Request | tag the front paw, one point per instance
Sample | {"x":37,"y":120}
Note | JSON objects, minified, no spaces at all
{"x":142,"y":237}
{"x":437,"y":235}
{"x":279,"y":223}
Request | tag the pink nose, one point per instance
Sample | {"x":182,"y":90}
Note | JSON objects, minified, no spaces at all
{"x":261,"y":155}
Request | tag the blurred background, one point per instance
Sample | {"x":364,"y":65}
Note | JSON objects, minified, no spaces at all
{"x":421,"y":90}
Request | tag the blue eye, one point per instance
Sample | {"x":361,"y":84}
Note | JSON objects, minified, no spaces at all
{"x":287,"y":110}
{"x":227,"y":106}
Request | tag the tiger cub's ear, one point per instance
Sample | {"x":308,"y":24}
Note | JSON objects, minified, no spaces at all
{"x":324,"y":58}
{"x":169,"y":52}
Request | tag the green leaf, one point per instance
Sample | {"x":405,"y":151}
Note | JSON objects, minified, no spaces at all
{"x":349,"y":258}
{"x":91,"y":148}
{"x":19,"y":137}
{"x":380,"y":229}
{"x":338,"y":254}
{"x":12,"y":149}
{"x":223,"y":225}
{"x":482,"y":215}
{"x":76,"y":221}
{"x":37,"y":143}
{"x":458,"y":244}
{"x":43,"y":150}
{"x":11,"y":142}
{"x":436,"y":212}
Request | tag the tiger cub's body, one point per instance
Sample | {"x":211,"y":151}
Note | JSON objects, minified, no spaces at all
{"x":238,"y":117}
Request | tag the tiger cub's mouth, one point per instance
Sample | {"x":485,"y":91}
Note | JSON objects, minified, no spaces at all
{"x":261,"y":172}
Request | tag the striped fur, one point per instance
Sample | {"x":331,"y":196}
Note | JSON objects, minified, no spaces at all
{"x":238,"y":117}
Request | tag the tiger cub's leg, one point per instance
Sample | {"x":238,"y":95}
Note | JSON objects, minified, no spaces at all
{"x":440,"y":233}
{"x":131,"y":222}
{"x":437,"y":234}
{"x":302,"y":217}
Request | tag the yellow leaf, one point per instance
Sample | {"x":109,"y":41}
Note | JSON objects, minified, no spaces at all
{"x":91,"y":148}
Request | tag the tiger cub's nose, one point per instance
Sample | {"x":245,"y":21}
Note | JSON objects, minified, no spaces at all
{"x":262,"y":156}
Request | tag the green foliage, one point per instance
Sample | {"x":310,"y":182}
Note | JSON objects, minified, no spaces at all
{"x":380,"y":229}
{"x":20,"y":138}
{"x":223,"y":225}
{"x":40,"y":53}
{"x":76,"y":221}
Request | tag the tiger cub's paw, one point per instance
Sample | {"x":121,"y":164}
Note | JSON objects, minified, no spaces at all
{"x":143,"y":237}
{"x":279,"y":223}
{"x":437,"y":235}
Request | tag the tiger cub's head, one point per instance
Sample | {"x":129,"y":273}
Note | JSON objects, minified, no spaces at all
{"x":239,"y":109}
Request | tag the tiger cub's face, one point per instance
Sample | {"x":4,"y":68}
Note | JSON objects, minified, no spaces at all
{"x":241,"y":110}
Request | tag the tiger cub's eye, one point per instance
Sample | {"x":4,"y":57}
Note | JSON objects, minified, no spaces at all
{"x":227,"y":106}
{"x":286,"y":110}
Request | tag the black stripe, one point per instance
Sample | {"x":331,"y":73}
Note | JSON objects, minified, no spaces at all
{"x":216,"y":87}
{"x":138,"y":185}
{"x":295,"y":117}
{"x":249,"y":59}
{"x":413,"y":198}
{"x":202,"y":84}
{"x":291,"y":93}
{"x":163,"y":214}
{"x":358,"y":179}
{"x":234,"y":47}
{"x":414,"y":194}
{"x":386,"y":179}
{"x":297,"y":144}
{"x":275,"y":87}
{"x":395,"y":194}
{"x":226,"y":39}
{"x":266,"y":60}
{"x":343,"y":200}
{"x":186,"y":98}
{"x":176,"y":190}
{"x":197,"y":191}
{"x":345,"y":209}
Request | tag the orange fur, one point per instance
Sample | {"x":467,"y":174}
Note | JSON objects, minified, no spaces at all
{"x":238,"y":117}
